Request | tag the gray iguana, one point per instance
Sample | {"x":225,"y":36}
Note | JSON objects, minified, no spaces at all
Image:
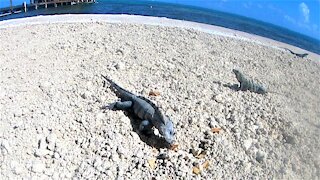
{"x":142,"y":107}
{"x":297,"y":54}
{"x":248,"y":84}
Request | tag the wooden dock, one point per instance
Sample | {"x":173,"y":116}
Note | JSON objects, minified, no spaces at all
{"x":35,"y":4}
{"x":56,"y":3}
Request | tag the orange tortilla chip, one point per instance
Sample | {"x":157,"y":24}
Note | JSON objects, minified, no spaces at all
{"x":154,"y":93}
{"x":205,"y":165}
{"x":174,"y":147}
{"x":152,"y":163}
{"x":196,"y":170}
{"x":200,"y":156}
{"x":216,"y":130}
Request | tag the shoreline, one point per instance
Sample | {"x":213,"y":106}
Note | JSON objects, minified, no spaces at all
{"x":155,"y":21}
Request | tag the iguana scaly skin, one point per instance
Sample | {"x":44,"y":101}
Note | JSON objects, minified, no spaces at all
{"x":142,"y":107}
{"x":248,"y":84}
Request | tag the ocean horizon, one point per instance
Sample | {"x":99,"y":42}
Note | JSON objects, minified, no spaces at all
{"x":183,"y":12}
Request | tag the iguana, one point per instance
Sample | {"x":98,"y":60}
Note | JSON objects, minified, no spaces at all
{"x":297,"y":54}
{"x":248,"y":84}
{"x":142,"y":107}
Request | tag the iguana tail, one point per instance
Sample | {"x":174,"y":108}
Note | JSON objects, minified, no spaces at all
{"x":119,"y":91}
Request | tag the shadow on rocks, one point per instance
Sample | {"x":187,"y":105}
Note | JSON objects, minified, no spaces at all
{"x":150,"y":139}
{"x":234,"y":87}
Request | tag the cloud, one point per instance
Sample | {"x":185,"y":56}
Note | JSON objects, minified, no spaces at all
{"x":247,"y":5}
{"x":304,"y":9}
{"x":275,"y":9}
{"x":290,"y":19}
{"x":314,"y":28}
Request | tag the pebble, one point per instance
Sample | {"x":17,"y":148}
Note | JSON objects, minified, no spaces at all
{"x":156,"y":132}
{"x":51,"y":138}
{"x":42,"y":144}
{"x":56,"y":175}
{"x":5,"y":145}
{"x":213,"y":123}
{"x":37,"y":167}
{"x":56,"y":155}
{"x":100,"y":116}
{"x":16,"y":167}
{"x":17,"y":124}
{"x":51,"y":146}
{"x":220,"y":98}
{"x":120,"y":66}
{"x":260,"y":156}
{"x":290,"y":139}
{"x":86,"y":95}
{"x":41,"y":152}
{"x":49,"y":171}
{"x":163,"y":156}
{"x":140,"y":154}
{"x":247,"y":144}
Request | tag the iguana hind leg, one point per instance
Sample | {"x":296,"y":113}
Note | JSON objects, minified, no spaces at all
{"x":119,"y":105}
{"x":146,"y":127}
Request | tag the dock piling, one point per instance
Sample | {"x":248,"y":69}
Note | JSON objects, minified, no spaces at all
{"x":25,"y":6}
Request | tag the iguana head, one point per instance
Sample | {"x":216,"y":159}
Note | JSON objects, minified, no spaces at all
{"x":238,"y":74}
{"x":167,"y":130}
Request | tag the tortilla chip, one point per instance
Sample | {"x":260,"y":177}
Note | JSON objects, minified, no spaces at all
{"x":154,"y":93}
{"x":196,"y":170}
{"x":205,"y":165}
{"x":216,"y":130}
{"x":152,"y":163}
{"x":174,"y":147}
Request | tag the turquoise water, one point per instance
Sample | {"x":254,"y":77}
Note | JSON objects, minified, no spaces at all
{"x":189,"y":13}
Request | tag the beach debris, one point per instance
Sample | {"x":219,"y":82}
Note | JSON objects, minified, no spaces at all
{"x":206,"y":164}
{"x":152,"y":163}
{"x":216,"y":130}
{"x":199,"y":168}
{"x":174,"y":147}
{"x":196,"y":170}
{"x":248,"y":84}
{"x":154,"y":93}
{"x":201,"y":155}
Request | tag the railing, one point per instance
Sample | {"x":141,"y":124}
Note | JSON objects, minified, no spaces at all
{"x":37,"y":3}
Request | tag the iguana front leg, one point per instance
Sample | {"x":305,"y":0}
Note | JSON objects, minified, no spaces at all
{"x":146,"y":127}
{"x":119,"y":105}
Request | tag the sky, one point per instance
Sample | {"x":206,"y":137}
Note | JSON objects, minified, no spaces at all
{"x":302,"y":16}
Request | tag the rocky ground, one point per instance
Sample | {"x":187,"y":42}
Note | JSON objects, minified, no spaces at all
{"x":51,"y":94}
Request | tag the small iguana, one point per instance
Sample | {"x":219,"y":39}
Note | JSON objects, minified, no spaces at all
{"x":142,"y":107}
{"x":297,"y":54}
{"x":248,"y":84}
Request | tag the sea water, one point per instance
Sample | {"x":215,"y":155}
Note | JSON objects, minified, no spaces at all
{"x":182,"y":12}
